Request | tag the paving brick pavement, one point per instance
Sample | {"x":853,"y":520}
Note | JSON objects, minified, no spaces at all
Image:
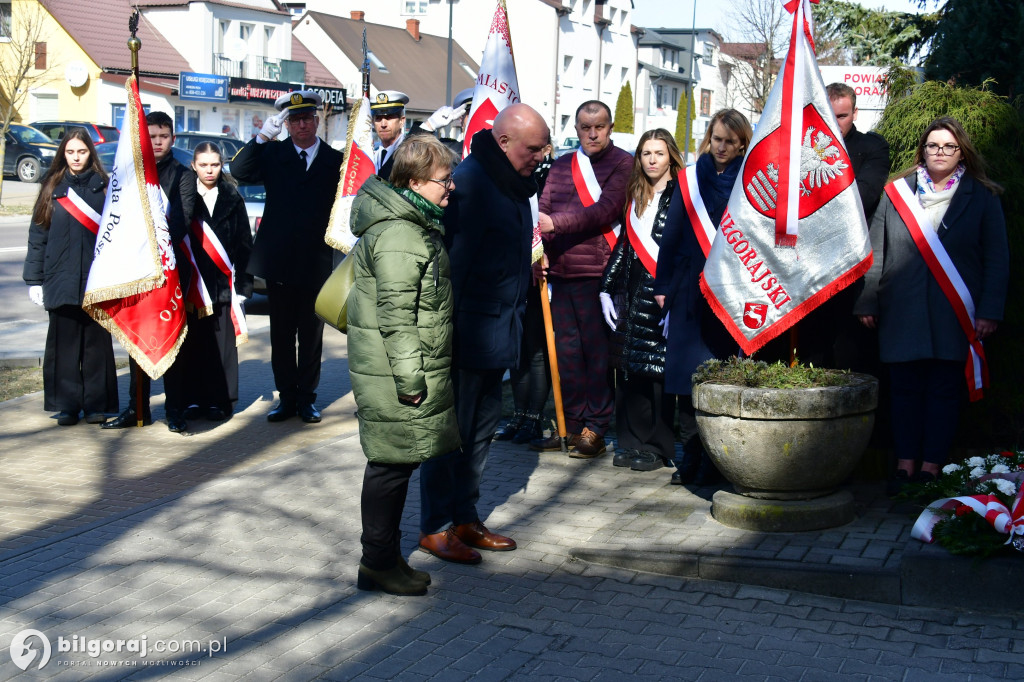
{"x":246,"y":534}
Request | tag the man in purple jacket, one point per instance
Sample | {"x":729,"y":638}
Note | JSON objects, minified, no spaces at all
{"x":580,"y":208}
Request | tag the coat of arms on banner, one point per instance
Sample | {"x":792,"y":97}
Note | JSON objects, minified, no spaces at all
{"x":825,"y":168}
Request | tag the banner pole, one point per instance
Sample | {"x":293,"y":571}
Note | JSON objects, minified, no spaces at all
{"x":556,"y":382}
{"x":134,"y":45}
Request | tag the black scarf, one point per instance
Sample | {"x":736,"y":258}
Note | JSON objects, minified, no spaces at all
{"x":714,"y":185}
{"x":499,"y":169}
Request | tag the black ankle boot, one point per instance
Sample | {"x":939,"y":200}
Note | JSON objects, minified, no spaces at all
{"x":510,"y":428}
{"x":531,"y":429}
{"x":393,"y":581}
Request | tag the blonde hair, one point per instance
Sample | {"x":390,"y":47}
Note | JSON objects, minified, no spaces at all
{"x":417,"y":157}
{"x":734,"y":121}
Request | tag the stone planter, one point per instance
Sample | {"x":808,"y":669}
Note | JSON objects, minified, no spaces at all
{"x":786,"y":446}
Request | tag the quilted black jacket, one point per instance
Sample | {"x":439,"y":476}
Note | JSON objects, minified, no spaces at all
{"x":637,"y":344}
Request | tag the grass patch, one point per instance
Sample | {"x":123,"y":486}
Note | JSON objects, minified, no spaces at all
{"x":19,"y":381}
{"x":759,"y":374}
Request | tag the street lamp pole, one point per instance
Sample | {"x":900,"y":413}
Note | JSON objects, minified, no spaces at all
{"x":689,"y":99}
{"x":448,"y":84}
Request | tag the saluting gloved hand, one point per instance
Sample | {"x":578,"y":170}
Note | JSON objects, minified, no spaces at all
{"x":35,"y":294}
{"x":273,"y":126}
{"x":608,"y":309}
{"x":664,"y":326}
{"x":443,"y":117}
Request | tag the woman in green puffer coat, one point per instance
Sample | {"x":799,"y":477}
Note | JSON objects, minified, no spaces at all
{"x":400,"y":347}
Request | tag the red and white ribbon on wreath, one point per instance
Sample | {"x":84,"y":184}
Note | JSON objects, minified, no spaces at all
{"x":207,"y":240}
{"x":952,"y":284}
{"x":990,"y":507}
{"x":700,"y":221}
{"x":81,"y":211}
{"x":639,"y":232}
{"x":590,"y":192}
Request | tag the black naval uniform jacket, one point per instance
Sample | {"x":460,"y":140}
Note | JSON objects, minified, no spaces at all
{"x":290,"y":246}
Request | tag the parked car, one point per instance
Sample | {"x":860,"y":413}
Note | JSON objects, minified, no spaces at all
{"x":567,"y":146}
{"x":229,"y":146}
{"x":255,"y":198}
{"x":107,"y":150}
{"x":29,"y":153}
{"x":99,"y":133}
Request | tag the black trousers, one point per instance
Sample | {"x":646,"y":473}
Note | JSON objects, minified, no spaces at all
{"x":926,"y":399}
{"x":210,"y":352}
{"x":292,"y":319}
{"x":174,"y":386}
{"x":79,"y":373}
{"x":645,"y":416}
{"x":381,"y":505}
{"x":531,"y":380}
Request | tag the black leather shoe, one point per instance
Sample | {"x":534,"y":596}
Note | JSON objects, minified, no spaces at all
{"x":647,"y":461}
{"x":309,"y":413}
{"x":192,"y":412}
{"x":677,"y":478}
{"x":176,"y":423}
{"x":622,"y":458}
{"x":510,"y":428}
{"x":283,"y":410}
{"x":67,"y":418}
{"x":95,"y":418}
{"x":531,"y":429}
{"x":215,"y":414}
{"x":127,"y":419}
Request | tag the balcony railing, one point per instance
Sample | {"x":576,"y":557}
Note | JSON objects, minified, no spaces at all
{"x":260,"y":68}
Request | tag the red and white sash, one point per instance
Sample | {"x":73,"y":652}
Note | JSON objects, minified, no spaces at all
{"x":207,"y":240}
{"x":945,"y":273}
{"x":81,"y":211}
{"x":590,"y":192}
{"x":700,"y":221}
{"x":197,"y":296}
{"x":639,"y":232}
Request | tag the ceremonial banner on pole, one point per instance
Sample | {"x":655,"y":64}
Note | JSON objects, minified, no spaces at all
{"x":794,"y":232}
{"x":133,"y":288}
{"x":358,"y":166}
{"x":497,"y":85}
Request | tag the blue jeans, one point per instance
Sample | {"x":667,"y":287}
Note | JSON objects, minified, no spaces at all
{"x":450,"y":484}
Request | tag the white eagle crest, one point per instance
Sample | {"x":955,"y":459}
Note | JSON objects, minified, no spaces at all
{"x":820,"y":161}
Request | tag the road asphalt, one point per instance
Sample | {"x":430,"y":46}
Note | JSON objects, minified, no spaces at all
{"x":242,"y":538}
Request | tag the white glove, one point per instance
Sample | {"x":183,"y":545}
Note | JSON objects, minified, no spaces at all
{"x":273,"y":125}
{"x":608,"y":309}
{"x":664,"y":326}
{"x":35,"y":294}
{"x":444,"y":116}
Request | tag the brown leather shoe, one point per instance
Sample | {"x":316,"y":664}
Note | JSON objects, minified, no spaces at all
{"x":476,"y":535}
{"x":589,"y":446}
{"x":447,"y":545}
{"x":553,"y":444}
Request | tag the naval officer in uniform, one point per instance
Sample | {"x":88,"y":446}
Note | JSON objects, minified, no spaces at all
{"x":301,"y":174}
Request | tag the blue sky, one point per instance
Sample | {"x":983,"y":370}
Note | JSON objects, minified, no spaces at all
{"x":713,"y":14}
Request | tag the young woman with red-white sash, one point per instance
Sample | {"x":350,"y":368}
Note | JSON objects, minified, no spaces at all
{"x":79,"y":375}
{"x":693,"y":332}
{"x":936,"y":290}
{"x":644,"y":413}
{"x":220,"y":241}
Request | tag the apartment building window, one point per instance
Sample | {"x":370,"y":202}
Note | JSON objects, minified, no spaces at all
{"x":40,"y":56}
{"x":5,"y":20}
{"x":245,"y":32}
{"x":268,"y":40}
{"x":414,"y":6}
{"x":586,"y":67}
{"x":709,"y":52}
{"x":657,"y":95}
{"x":222,"y":35}
{"x":625,"y":72}
{"x":675,"y":97}
{"x":705,"y":102}
{"x":566,"y":63}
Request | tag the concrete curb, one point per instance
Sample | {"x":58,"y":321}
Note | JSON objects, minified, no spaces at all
{"x":928,"y":577}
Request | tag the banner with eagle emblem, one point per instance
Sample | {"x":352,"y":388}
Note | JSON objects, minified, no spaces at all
{"x":794,"y":233}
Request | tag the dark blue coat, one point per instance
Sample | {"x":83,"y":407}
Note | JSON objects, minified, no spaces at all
{"x":694,"y":334}
{"x":488,"y":231}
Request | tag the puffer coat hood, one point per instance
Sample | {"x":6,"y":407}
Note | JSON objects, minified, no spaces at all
{"x":637,"y":345}
{"x":400,"y":329}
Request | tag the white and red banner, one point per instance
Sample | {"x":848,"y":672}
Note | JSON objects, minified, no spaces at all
{"x":794,"y":232}
{"x":81,"y":211}
{"x":206,"y":240}
{"x":639,"y":231}
{"x":1009,"y":520}
{"x":133,"y":288}
{"x":945,"y":273}
{"x":357,"y":167}
{"x":496,"y":85}
{"x":703,"y":228}
{"x":589,"y":191}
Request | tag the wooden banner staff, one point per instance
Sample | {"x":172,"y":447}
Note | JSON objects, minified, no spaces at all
{"x":134,"y":45}
{"x":556,"y":381}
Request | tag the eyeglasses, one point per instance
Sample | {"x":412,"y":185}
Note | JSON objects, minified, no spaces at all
{"x":302,"y":120}
{"x":444,"y":182}
{"x":944,"y":149}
